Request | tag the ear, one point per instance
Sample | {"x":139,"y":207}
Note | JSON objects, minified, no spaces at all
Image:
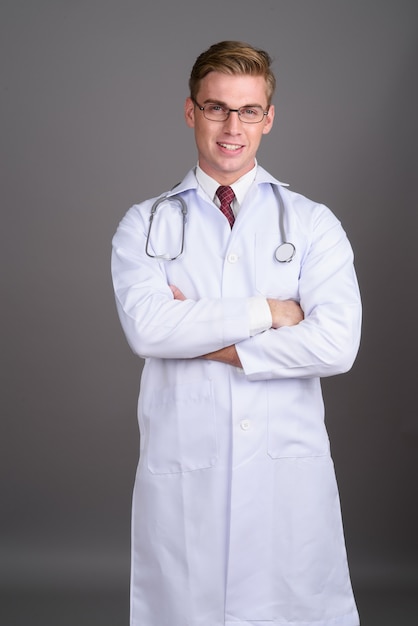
{"x":189,"y":112}
{"x":268,"y":124}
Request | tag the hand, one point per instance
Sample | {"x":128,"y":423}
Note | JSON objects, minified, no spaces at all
{"x":228,"y":355}
{"x":178,"y":295}
{"x":285,"y":312}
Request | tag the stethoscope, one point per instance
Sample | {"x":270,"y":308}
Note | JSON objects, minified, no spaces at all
{"x":284,"y":253}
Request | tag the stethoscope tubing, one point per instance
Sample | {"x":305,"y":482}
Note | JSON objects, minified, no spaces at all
{"x":184,"y":210}
{"x":284,"y":253}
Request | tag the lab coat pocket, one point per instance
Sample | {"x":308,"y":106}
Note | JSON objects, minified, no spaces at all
{"x":182,"y":430}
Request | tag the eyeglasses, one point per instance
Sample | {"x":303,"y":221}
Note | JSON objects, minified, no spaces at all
{"x":219,"y":113}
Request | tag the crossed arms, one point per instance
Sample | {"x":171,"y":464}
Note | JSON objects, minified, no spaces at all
{"x":283,"y":313}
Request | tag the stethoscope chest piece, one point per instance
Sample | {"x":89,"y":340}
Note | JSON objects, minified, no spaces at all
{"x":285,"y":252}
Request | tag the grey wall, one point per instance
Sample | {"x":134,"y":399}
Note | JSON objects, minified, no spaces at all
{"x":91,"y":98}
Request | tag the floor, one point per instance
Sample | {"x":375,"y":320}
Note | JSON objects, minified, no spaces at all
{"x":389,"y":607}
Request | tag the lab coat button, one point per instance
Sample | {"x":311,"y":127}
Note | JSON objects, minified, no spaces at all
{"x":245,"y":424}
{"x":232,"y":258}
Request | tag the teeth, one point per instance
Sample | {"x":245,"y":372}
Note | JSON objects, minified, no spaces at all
{"x":229,"y":146}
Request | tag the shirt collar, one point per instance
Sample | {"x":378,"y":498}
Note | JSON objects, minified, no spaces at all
{"x":239,"y":187}
{"x":190,"y":181}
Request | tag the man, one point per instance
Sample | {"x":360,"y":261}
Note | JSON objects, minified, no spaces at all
{"x":236,"y":518}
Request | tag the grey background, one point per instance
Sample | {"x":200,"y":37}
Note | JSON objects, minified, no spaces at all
{"x":91,"y":122}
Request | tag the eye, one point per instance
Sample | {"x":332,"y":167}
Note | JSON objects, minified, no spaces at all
{"x":250,"y":112}
{"x":215,"y":108}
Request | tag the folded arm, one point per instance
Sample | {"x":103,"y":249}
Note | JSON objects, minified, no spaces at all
{"x":283,"y":313}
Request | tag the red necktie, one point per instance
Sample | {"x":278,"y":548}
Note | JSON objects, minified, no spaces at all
{"x":226,"y":195}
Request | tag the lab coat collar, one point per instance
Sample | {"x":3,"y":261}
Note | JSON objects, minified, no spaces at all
{"x":262,"y":176}
{"x":190,"y":182}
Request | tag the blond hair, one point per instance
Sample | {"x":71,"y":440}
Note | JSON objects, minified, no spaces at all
{"x":234,"y":58}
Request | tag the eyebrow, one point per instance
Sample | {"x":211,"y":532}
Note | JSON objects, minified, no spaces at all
{"x":224,"y":104}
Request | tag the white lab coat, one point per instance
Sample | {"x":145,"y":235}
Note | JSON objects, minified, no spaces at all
{"x":236,"y":517}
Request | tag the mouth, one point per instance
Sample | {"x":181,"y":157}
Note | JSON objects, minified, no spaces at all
{"x":230,"y":147}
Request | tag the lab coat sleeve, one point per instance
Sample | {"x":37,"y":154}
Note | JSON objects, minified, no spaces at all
{"x":154,"y":323}
{"x":326,"y":342}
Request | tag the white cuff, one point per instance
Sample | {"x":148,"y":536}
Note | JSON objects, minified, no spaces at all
{"x":259,"y":315}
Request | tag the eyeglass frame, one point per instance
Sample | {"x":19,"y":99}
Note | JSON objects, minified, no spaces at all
{"x":202,"y":108}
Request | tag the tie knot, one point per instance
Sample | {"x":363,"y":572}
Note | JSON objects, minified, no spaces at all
{"x":225,"y":194}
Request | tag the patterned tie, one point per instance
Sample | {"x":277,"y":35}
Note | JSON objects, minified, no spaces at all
{"x":226,"y":195}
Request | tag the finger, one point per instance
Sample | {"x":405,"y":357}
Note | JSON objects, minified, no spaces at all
{"x":178,"y":295}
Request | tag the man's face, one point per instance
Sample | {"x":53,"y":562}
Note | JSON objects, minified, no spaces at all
{"x":227,"y":149}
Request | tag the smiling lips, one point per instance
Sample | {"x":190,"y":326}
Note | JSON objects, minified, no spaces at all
{"x":230,"y":146}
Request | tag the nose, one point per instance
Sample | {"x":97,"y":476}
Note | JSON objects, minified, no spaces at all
{"x":233,"y":123}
